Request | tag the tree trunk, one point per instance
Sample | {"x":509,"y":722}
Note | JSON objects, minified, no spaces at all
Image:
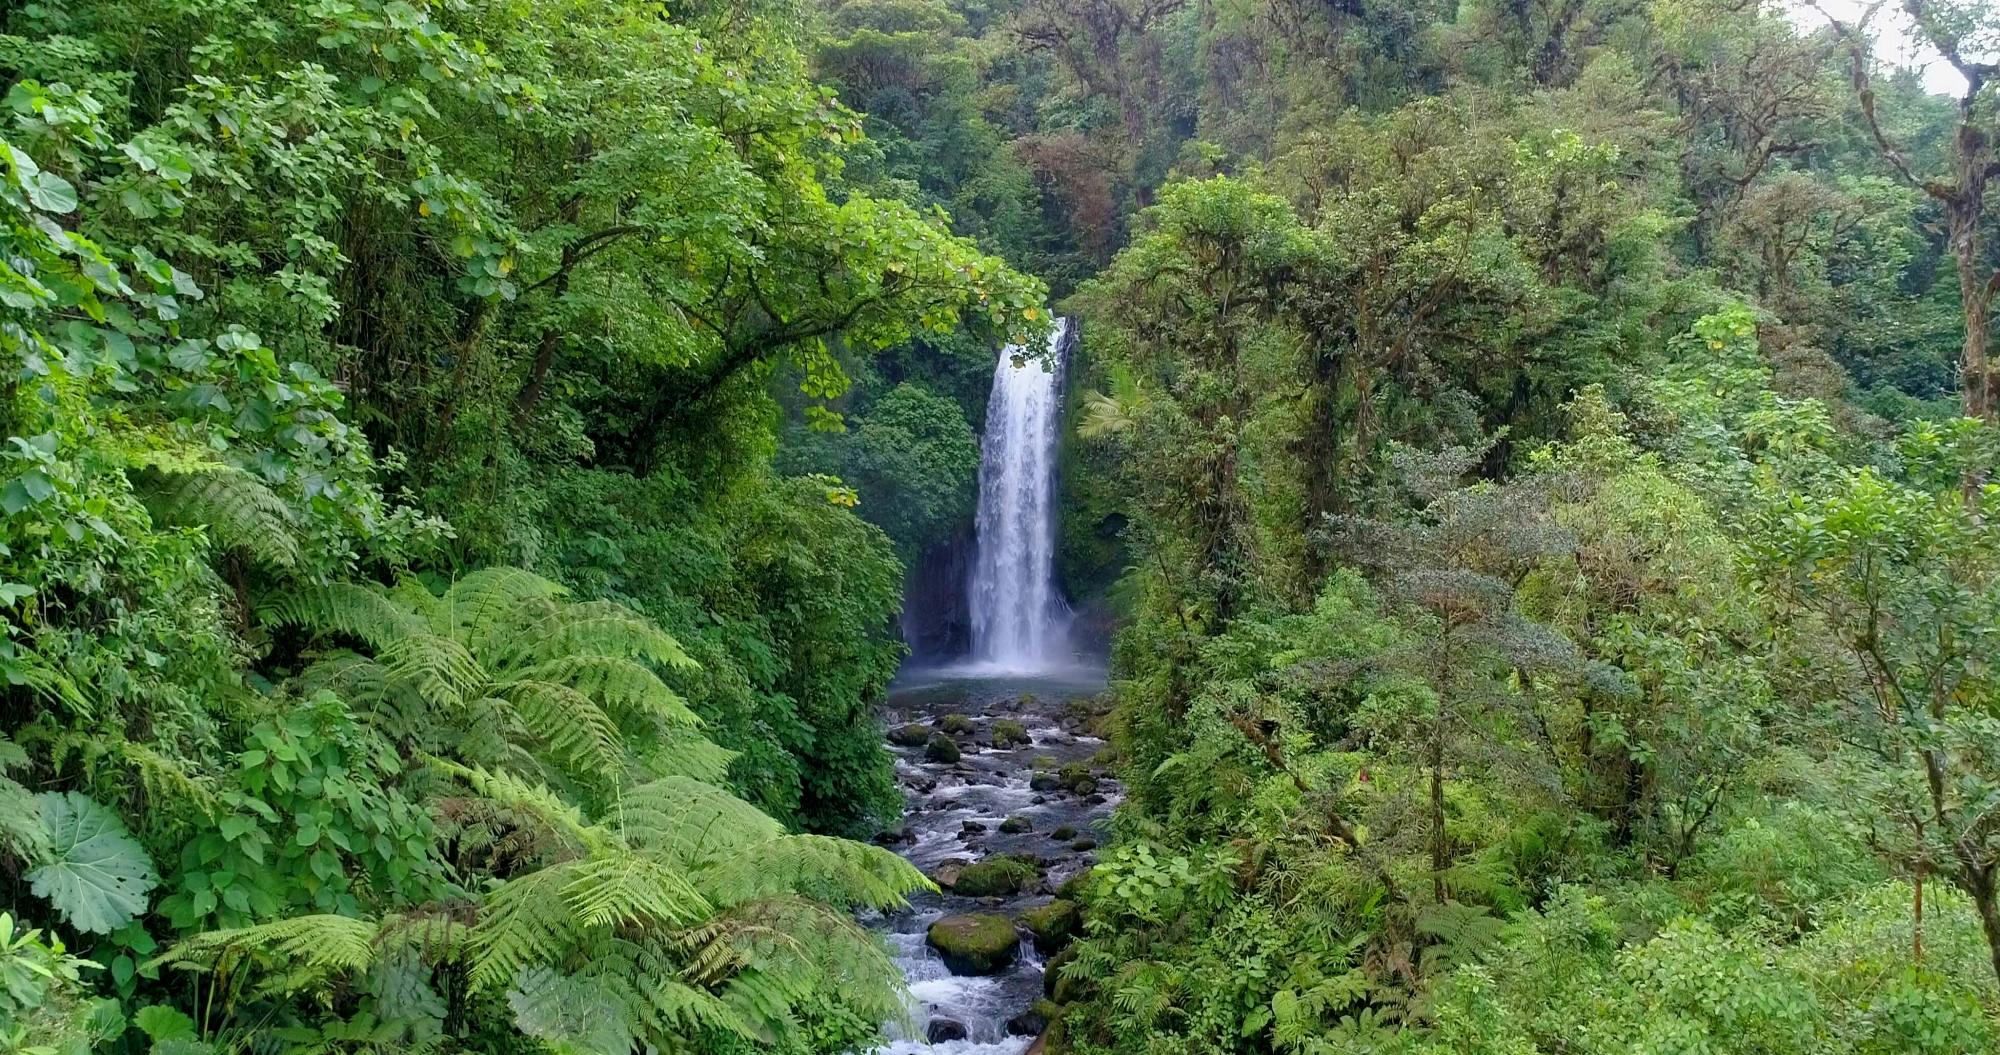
{"x":1979,"y":378}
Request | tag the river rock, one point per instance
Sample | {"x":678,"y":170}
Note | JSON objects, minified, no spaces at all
{"x":955,"y":724}
{"x":1045,"y":782}
{"x":943,"y":1029}
{"x":947,"y":872}
{"x":998,"y":876}
{"x":971,"y":827}
{"x":1063,"y":834}
{"x":911,"y":735}
{"x":1009,"y":734}
{"x":1054,"y":925}
{"x":941,"y":749}
{"x":1033,"y":1021}
{"x":1084,"y":844}
{"x":1016,"y":826}
{"x":975,"y":942}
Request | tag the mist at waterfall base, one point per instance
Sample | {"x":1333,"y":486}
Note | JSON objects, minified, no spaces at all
{"x":1021,"y":666}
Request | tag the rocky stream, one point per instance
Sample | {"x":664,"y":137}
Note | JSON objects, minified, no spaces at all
{"x":1007,"y":781}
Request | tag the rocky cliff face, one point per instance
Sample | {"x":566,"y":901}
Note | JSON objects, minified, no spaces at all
{"x":936,"y":621}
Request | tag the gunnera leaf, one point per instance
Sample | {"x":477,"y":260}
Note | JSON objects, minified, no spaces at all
{"x":96,"y":874}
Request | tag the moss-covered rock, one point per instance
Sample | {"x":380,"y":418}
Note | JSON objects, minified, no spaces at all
{"x":1008,"y":734}
{"x":941,"y":748}
{"x":1016,"y":826}
{"x":996,"y":876}
{"x":1054,"y":985}
{"x":975,"y":942}
{"x":1054,"y":925}
{"x":1084,"y":843}
{"x":1077,"y":779}
{"x":1063,"y":834}
{"x":955,"y":725}
{"x":1075,"y":887}
{"x":911,"y":735}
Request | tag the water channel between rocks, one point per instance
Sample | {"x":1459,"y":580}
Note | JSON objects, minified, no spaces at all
{"x":955,"y":811}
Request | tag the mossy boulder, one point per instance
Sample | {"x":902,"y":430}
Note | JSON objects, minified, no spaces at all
{"x":941,"y":748}
{"x":1016,"y":826}
{"x":1063,"y":834}
{"x":1054,"y":985}
{"x":1054,"y":925}
{"x":975,"y":942}
{"x":955,"y":725}
{"x":1077,"y":779}
{"x":997,"y":876}
{"x":1083,"y":844}
{"x":1008,"y":734}
{"x":911,"y":735}
{"x":1045,"y":782}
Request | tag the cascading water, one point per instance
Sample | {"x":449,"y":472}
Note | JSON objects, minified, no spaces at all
{"x":1019,"y":620}
{"x":995,"y":794}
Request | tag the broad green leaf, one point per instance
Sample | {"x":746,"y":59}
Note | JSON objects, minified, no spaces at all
{"x":97,"y":875}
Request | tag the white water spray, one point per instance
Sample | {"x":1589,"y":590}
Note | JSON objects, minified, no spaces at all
{"x":1019,"y":620}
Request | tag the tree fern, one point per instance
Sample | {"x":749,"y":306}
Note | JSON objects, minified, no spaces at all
{"x":235,"y":508}
{"x":637,"y":898}
{"x":324,"y":943}
{"x":22,"y":833}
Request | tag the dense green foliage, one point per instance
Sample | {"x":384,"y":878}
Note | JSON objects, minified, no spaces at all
{"x":463,"y":459}
{"x":1559,"y":587}
{"x":411,"y":642}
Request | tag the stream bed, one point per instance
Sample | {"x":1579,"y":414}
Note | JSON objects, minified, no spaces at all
{"x":954,"y":813}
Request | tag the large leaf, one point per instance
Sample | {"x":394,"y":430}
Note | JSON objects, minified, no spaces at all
{"x":96,"y":875}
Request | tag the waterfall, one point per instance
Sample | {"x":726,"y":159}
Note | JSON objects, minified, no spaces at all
{"x":1019,"y":620}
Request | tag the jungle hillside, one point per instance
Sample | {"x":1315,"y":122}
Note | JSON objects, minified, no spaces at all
{"x":474,"y":470}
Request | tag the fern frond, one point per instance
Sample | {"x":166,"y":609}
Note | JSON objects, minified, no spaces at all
{"x":482,"y":606}
{"x":582,"y":736}
{"x":596,"y":628}
{"x":327,"y":944}
{"x":826,"y":869}
{"x":359,"y":612}
{"x":22,"y":833}
{"x":237,"y":510}
{"x":570,"y":1014}
{"x":685,"y":753}
{"x":622,"y":685}
{"x":628,"y":890}
{"x":410,"y":592}
{"x":439,"y":668}
{"x":527,"y":921}
{"x":168,"y":781}
{"x":558,"y":816}
{"x":691,"y":822}
{"x":353,"y":677}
